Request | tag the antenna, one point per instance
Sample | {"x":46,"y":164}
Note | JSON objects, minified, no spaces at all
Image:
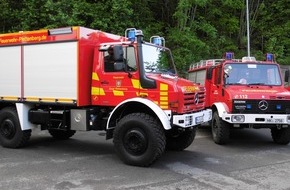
{"x":248,"y":28}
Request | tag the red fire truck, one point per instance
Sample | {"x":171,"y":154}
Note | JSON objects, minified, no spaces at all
{"x":244,"y":93}
{"x":78,"y":79}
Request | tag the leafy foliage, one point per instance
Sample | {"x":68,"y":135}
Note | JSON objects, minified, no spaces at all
{"x":193,"y":29}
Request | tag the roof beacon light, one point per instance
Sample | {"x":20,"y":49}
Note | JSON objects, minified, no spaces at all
{"x":229,"y":55}
{"x":157,"y":40}
{"x":130,"y":33}
{"x":59,"y":31}
{"x":270,"y":57}
{"x":139,"y":33}
{"x":248,"y":59}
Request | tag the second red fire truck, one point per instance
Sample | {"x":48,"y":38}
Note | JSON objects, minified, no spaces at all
{"x":244,"y":93}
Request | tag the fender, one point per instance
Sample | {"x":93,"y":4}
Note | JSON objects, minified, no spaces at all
{"x":221,"y":108}
{"x":22,"y":111}
{"x":162,"y":116}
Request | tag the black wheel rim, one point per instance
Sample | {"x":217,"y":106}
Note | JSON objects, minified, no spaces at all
{"x":135,"y":142}
{"x":7,"y":129}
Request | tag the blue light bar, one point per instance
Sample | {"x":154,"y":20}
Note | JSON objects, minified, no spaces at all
{"x":278,"y":106}
{"x":249,"y":106}
{"x":157,"y":41}
{"x":270,"y":57}
{"x":130,"y":33}
{"x":229,"y":55}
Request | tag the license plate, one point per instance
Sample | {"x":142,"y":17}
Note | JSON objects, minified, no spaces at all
{"x":199,"y":119}
{"x":272,"y":120}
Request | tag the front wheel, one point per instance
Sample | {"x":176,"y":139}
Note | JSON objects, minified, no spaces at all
{"x":281,"y":135}
{"x":180,"y":141}
{"x":220,"y":130}
{"x":11,"y":134}
{"x":139,"y":139}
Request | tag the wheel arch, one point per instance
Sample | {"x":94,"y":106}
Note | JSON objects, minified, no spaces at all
{"x":220,"y":107}
{"x":137,"y":105}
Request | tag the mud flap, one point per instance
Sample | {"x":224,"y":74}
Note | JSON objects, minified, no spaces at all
{"x":22,"y":112}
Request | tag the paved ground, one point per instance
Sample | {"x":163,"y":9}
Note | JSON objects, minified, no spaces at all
{"x":88,"y":161}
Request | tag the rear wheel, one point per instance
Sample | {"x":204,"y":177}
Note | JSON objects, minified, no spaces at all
{"x":139,"y":139}
{"x":180,"y":141}
{"x":11,"y":134}
{"x":281,"y":135}
{"x":61,"y":134}
{"x":220,"y":130}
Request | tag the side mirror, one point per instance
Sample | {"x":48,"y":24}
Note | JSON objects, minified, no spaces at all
{"x":286,"y":78}
{"x":118,"y":53}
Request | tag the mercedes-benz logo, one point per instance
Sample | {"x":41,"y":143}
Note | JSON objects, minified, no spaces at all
{"x":196,"y":98}
{"x":263,"y":105}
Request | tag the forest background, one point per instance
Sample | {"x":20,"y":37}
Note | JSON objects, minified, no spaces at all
{"x":193,"y":29}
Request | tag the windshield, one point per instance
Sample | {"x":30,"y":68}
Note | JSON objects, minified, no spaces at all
{"x":157,"y":60}
{"x":252,"y":74}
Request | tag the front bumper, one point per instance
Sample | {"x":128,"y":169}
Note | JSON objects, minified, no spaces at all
{"x":193,"y":119}
{"x":283,"y":119}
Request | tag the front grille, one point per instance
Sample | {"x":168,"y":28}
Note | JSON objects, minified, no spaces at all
{"x":266,"y":106}
{"x":194,"y":101}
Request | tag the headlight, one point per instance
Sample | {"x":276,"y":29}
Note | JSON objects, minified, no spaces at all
{"x":238,"y":118}
{"x":188,"y":120}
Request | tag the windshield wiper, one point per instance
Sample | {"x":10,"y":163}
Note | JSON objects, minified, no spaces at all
{"x":235,"y":83}
{"x":257,"y":83}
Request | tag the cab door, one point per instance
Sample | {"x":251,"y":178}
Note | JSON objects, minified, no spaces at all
{"x":216,"y":87}
{"x":119,"y":84}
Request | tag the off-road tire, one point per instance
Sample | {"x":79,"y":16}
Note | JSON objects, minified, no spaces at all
{"x":180,"y":141}
{"x":61,"y":134}
{"x":139,"y":139}
{"x":281,"y":136}
{"x":11,"y":134}
{"x":220,"y":130}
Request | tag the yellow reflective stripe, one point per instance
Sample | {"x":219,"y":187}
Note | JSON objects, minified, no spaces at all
{"x":118,"y":93}
{"x":95,"y":76}
{"x":163,"y":87}
{"x":65,"y":100}
{"x":164,"y":103}
{"x":163,"y":107}
{"x":32,"y":99}
{"x":96,"y":91}
{"x":12,"y":98}
{"x":136,"y":83}
{"x":164,"y":98}
{"x":142,"y":94}
{"x":59,"y":100}
{"x":163,"y":93}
